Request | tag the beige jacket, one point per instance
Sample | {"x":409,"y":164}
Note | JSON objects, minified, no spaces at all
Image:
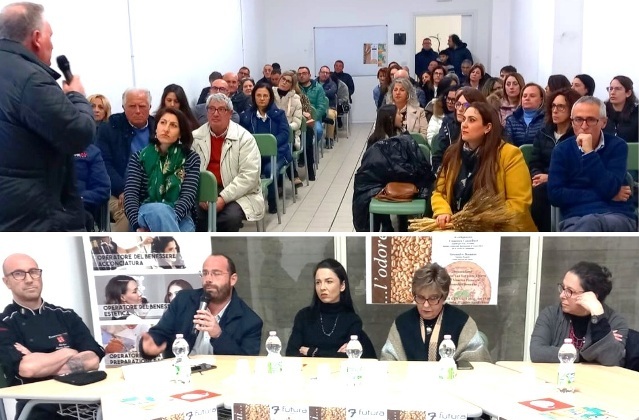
{"x":416,"y":120}
{"x":240,"y":167}
{"x":291,"y":104}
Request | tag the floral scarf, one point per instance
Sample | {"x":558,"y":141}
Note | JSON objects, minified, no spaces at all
{"x":165,"y":173}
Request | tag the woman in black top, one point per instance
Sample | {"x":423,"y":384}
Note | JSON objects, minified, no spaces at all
{"x":324,"y":328}
{"x":622,"y":110}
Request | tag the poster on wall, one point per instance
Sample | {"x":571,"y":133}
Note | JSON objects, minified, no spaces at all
{"x":472,"y":261}
{"x":375,"y":54}
{"x":132,"y":280}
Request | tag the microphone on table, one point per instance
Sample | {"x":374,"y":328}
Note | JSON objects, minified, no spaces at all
{"x":65,"y":67}
{"x":204,"y":303}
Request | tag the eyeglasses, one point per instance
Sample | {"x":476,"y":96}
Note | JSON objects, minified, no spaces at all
{"x":579,"y":121}
{"x":213,"y":110}
{"x":285,"y":80}
{"x":302,"y":73}
{"x":325,"y":72}
{"x":431,"y":300}
{"x":450,"y":101}
{"x":459,"y":105}
{"x":567,"y":292}
{"x":614,"y":88}
{"x":219,"y":89}
{"x":213,"y":273}
{"x":558,"y":107}
{"x":20,"y":275}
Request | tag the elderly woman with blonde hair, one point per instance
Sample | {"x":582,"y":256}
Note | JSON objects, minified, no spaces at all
{"x":401,"y":93}
{"x":417,"y":333}
{"x":101,"y":108}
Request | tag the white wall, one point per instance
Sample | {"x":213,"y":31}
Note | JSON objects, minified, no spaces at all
{"x":289,"y":41}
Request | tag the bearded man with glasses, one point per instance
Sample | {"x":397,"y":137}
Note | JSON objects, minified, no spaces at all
{"x":226,"y":326}
{"x":587,"y":175}
{"x":39,"y":340}
{"x":417,"y":333}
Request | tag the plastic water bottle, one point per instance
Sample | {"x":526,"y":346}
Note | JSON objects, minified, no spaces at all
{"x":354,"y":366}
{"x":447,"y":366}
{"x":181,"y":364}
{"x":273,"y":356}
{"x":566,"y":376}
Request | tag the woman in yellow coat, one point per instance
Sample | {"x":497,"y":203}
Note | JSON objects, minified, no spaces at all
{"x":482,"y":160}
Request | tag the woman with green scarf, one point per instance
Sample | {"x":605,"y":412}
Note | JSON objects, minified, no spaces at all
{"x":160,"y":192}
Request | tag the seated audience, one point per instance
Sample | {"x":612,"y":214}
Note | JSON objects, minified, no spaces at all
{"x":175,"y":97}
{"x":162,"y":179}
{"x":451,"y":124}
{"x":556,"y":82}
{"x":316,"y":96}
{"x":347,"y":80}
{"x":276,"y":74}
{"x":287,"y":98}
{"x":30,"y":334}
{"x":483,"y":161}
{"x":243,"y":73}
{"x":622,"y":110}
{"x":124,"y":134}
{"x":507,"y":70}
{"x":417,"y":333}
{"x":205,"y":91}
{"x":419,"y":93}
{"x":443,"y":106}
{"x":597,"y":331}
{"x":524,"y":124}
{"x":217,"y":86}
{"x":513,"y":85}
{"x":389,"y":158}
{"x":465,"y":71}
{"x":558,"y":128}
{"x":174,"y":288}
{"x":402,"y":95}
{"x":324,"y":328}
{"x":493,"y":85}
{"x":231,"y":154}
{"x":587,"y":180}
{"x":92,"y":182}
{"x":584,"y":84}
{"x":227,"y":326}
{"x":265,"y":118}
{"x":101,"y":109}
{"x":240,"y":101}
{"x":266,"y":72}
{"x":247,"y":88}
{"x":476,"y":76}
{"x":380,"y":91}
{"x":330,"y":90}
{"x":436,"y":76}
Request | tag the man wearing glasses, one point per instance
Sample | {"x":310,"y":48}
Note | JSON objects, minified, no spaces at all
{"x":241,"y":102}
{"x":39,"y":340}
{"x":229,"y":152}
{"x":218,"y":86}
{"x":227,"y":325}
{"x":315,"y":94}
{"x":330,"y":90}
{"x":587,"y":175}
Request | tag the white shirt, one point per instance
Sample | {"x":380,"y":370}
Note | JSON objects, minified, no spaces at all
{"x":203,"y":341}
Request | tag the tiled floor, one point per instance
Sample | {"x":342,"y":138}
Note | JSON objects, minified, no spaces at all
{"x":325,"y":205}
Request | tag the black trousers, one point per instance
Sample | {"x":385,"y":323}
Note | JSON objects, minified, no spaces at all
{"x":540,"y":208}
{"x":228,"y":220}
{"x":40,"y":411}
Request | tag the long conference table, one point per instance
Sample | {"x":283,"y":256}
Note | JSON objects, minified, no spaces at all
{"x":314,"y":388}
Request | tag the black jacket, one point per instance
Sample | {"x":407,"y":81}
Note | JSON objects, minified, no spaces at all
{"x":397,"y":159}
{"x":41,"y":128}
{"x":628,"y":129}
{"x":543,"y":146}
{"x":448,"y":134}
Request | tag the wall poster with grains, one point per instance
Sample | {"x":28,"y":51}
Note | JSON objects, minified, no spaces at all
{"x":471,"y":260}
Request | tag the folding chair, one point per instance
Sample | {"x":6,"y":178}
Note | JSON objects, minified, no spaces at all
{"x":207,"y":192}
{"x":267,"y":144}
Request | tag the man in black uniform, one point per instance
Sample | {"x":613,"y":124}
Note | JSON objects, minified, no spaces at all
{"x":39,"y":340}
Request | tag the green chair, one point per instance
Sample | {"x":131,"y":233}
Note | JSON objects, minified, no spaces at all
{"x":267,"y":144}
{"x":302,"y":151}
{"x":415,"y":207}
{"x":207,"y":192}
{"x":419,"y":139}
{"x":633,"y":157}
{"x":425,"y":150}
{"x":526,"y":150}
{"x":288,"y":168}
{"x":104,"y":217}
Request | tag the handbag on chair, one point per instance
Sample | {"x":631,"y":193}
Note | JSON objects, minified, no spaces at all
{"x":397,"y":192}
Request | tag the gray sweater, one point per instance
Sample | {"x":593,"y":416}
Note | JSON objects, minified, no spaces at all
{"x":553,"y":326}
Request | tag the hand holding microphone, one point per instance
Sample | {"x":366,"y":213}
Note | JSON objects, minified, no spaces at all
{"x":204,"y":320}
{"x":71,"y":83}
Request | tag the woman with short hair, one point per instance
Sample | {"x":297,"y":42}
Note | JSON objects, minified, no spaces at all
{"x":597,"y":331}
{"x":380,"y":91}
{"x":417,"y":333}
{"x":476,"y":76}
{"x":101,"y":108}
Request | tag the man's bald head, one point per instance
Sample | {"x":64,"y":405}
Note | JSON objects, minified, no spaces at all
{"x":219,"y":86}
{"x":232,"y":81}
{"x":401,"y":73}
{"x":16,"y":260}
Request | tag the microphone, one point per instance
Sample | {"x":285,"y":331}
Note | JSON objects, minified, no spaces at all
{"x":65,"y":67}
{"x":204,"y":303}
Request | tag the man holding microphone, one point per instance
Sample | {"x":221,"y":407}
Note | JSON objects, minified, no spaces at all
{"x":41,"y":127}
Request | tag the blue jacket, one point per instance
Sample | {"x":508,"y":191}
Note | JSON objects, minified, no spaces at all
{"x":93,"y":183}
{"x":41,"y":128}
{"x":423,"y":59}
{"x":114,"y":141}
{"x":276,"y":124}
{"x":330,"y":90}
{"x":241,"y":326}
{"x":585,"y":184}
{"x":517,"y":132}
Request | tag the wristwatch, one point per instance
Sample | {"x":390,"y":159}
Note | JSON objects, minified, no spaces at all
{"x":595,"y":318}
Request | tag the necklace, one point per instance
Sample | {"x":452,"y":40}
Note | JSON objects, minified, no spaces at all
{"x":334,"y":325}
{"x":429,"y":328}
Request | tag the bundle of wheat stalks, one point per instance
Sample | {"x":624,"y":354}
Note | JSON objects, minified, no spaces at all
{"x":485,"y":212}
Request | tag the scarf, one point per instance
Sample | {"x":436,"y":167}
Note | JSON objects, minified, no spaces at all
{"x":463,"y":187}
{"x":165,"y":173}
